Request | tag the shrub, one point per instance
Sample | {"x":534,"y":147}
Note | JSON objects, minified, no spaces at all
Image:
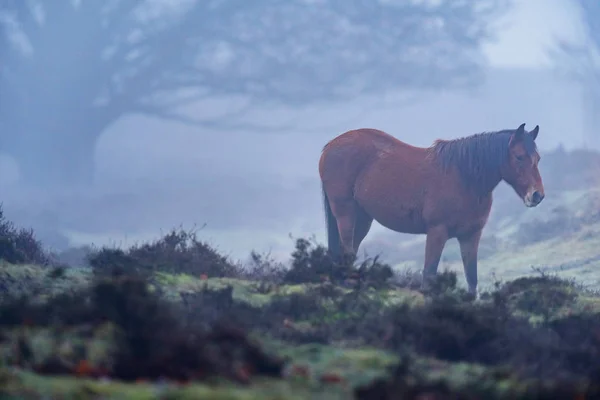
{"x":178,"y":251}
{"x":311,"y":263}
{"x":265,"y":268}
{"x":407,"y":278}
{"x":150,"y":340}
{"x":19,"y":245}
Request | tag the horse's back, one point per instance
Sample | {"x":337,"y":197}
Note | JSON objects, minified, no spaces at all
{"x":349,"y":153}
{"x":364,"y":138}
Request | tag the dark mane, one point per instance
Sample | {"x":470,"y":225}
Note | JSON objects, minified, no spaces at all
{"x":478,"y":157}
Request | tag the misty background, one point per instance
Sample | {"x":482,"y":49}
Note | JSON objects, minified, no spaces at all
{"x":122,"y":119}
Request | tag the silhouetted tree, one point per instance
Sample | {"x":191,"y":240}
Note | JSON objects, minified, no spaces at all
{"x":69,"y":69}
{"x":581,"y":62}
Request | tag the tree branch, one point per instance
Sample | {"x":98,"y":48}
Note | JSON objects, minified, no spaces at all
{"x":268,"y":50}
{"x":224,"y":123}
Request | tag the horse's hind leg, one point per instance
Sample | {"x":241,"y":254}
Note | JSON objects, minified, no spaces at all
{"x":362,"y":225}
{"x":344,"y":210}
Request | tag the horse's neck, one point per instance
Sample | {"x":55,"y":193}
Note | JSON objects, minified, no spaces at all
{"x":488,"y":188}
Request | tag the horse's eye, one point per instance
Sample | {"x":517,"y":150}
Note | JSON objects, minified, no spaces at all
{"x":521,"y":158}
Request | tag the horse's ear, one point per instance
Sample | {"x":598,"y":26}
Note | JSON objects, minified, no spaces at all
{"x":518,"y":135}
{"x":534,"y":132}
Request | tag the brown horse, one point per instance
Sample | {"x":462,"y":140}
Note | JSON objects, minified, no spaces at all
{"x":443,"y":191}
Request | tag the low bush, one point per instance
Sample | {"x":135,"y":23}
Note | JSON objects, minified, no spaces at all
{"x":312,"y":263}
{"x":151,"y":340}
{"x":19,"y":245}
{"x":178,"y":252}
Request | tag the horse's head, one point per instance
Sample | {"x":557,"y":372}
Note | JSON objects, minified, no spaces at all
{"x":520,"y":170}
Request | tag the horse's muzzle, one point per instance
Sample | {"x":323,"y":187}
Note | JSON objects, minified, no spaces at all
{"x":534,"y":199}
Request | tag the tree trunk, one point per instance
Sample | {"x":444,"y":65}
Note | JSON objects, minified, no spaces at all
{"x":53,"y":161}
{"x":54,"y":145}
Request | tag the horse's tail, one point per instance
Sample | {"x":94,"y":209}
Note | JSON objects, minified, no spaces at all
{"x":333,"y":234}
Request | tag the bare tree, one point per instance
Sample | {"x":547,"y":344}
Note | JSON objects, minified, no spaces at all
{"x":72,"y":68}
{"x":581,"y":62}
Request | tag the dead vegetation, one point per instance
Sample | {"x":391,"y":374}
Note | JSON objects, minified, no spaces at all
{"x":152,"y":341}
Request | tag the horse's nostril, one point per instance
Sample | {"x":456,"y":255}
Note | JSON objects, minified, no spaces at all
{"x":537,"y":197}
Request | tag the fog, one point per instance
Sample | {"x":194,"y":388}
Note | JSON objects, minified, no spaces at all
{"x":239,"y":160}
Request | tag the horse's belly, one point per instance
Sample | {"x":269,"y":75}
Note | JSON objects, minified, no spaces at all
{"x":394,"y":214}
{"x":395,"y":202}
{"x":403,"y":223}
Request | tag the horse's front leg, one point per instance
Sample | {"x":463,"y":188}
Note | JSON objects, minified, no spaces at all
{"x":434,"y":246}
{"x":469,"y":246}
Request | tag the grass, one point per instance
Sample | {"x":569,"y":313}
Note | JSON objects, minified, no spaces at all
{"x":342,"y":368}
{"x":243,"y":290}
{"x":24,"y":385}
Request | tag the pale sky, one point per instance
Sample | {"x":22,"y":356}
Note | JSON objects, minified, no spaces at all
{"x":529,"y":30}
